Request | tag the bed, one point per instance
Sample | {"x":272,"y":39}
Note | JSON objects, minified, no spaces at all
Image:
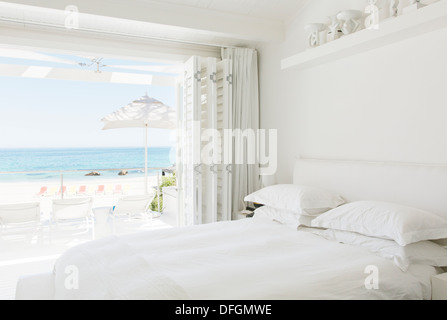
{"x":259,"y":258}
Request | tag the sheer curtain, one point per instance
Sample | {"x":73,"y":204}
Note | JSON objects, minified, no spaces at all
{"x":245,"y":176}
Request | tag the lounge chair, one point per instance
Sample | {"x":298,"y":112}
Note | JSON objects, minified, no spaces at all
{"x":68,"y":212}
{"x":69,"y":209}
{"x":109,"y":189}
{"x":51,"y":192}
{"x":131,"y":206}
{"x":19,"y":217}
{"x":82,"y":191}
{"x":118,"y":189}
{"x":126,"y":189}
{"x":42,"y":192}
{"x":91,"y":190}
{"x":62,"y":190}
{"x":100,"y":190}
{"x":72,"y":191}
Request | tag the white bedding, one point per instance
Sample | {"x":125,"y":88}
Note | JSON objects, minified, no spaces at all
{"x":241,"y":260}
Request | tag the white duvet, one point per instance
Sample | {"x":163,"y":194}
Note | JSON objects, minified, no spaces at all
{"x":250,"y":259}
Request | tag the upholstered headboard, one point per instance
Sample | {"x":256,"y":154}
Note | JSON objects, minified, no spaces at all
{"x":421,"y":186}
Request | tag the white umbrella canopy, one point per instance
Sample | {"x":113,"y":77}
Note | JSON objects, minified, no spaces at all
{"x":145,"y":113}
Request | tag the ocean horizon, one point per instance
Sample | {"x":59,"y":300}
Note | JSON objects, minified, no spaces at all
{"x":47,"y":163}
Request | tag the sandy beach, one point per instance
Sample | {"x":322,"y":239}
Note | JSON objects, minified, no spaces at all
{"x":20,"y":192}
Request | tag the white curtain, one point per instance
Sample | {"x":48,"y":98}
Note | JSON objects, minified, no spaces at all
{"x":246,"y":178}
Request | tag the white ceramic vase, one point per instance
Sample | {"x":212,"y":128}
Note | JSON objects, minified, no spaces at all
{"x":314,"y":30}
{"x":351,"y":20}
{"x":334,"y":29}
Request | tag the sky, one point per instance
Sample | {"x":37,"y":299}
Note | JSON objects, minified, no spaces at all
{"x":45,"y":113}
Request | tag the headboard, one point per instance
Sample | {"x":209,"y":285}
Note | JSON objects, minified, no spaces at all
{"x":420,"y":186}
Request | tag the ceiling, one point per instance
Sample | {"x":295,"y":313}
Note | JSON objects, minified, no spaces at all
{"x":281,"y":10}
{"x":209,"y":22}
{"x":43,"y":65}
{"x":197,"y":26}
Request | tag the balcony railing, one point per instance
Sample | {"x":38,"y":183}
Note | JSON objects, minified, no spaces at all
{"x":59,"y":179}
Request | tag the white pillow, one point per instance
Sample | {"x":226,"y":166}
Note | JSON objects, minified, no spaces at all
{"x":299,"y":199}
{"x":422,"y":252}
{"x":283,"y":216}
{"x":402,"y":224}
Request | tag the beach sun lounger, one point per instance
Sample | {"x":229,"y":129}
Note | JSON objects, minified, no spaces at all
{"x":82,"y":191}
{"x":20,"y":217}
{"x":72,"y":191}
{"x":42,"y":192}
{"x":52,"y":191}
{"x":100,"y":190}
{"x":132,"y":206}
{"x":62,"y":190}
{"x":126,"y":189}
{"x":118,"y":189}
{"x":70,"y":213}
{"x":91,"y":190}
{"x":109,"y":189}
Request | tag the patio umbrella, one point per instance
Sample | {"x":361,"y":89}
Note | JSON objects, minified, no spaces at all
{"x":145,"y":113}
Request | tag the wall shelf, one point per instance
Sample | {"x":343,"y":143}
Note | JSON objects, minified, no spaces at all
{"x":427,"y":19}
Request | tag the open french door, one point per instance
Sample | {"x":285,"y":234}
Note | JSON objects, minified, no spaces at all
{"x":224,"y":124}
{"x":189,"y":174}
{"x":204,"y":172}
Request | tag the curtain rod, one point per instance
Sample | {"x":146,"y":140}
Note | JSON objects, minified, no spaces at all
{"x":94,"y":31}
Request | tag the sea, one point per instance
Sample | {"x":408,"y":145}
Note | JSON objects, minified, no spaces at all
{"x":17,"y":165}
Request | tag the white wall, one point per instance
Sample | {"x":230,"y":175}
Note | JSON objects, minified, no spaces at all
{"x":389,"y":104}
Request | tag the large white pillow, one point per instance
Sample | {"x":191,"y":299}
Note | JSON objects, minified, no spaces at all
{"x":422,"y":252}
{"x":299,"y":199}
{"x":283,"y":216}
{"x":402,"y":224}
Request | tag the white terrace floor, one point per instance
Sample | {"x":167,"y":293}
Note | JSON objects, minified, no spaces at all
{"x":21,"y":252}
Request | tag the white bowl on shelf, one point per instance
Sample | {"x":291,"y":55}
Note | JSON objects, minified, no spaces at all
{"x":314,"y":27}
{"x":349,"y":15}
{"x":351,"y":20}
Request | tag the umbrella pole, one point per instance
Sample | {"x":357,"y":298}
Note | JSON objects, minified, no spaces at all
{"x":145,"y":163}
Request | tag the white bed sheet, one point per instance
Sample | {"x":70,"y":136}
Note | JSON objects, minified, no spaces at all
{"x":241,"y":260}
